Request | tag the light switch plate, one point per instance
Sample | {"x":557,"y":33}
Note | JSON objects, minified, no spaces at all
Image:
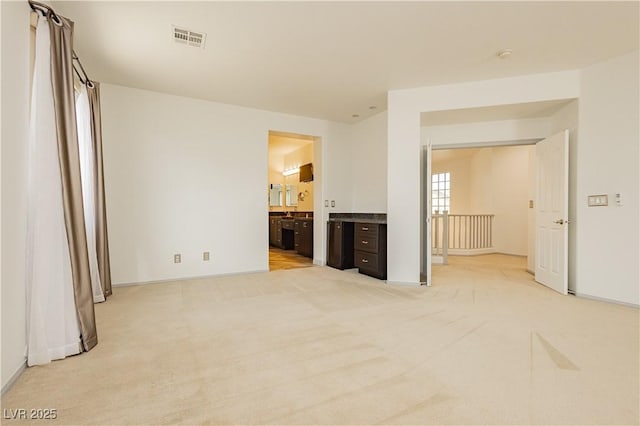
{"x":205,"y":256}
{"x":177,"y":258}
{"x":333,"y":203}
{"x":326,"y":203}
{"x":598,"y":200}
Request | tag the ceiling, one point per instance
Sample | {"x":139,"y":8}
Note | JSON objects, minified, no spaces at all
{"x":334,"y":60}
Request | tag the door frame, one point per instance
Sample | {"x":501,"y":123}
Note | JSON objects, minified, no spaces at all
{"x":426,"y":163}
{"x":319,"y":236}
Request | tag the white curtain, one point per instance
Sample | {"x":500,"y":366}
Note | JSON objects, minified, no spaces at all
{"x":88,"y":173}
{"x":53,"y":329}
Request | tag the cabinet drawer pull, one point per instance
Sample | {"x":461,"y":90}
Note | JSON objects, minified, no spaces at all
{"x":365,"y":261}
{"x":365,"y":228}
{"x":365,"y":242}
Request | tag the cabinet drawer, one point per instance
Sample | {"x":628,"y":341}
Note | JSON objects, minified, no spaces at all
{"x":366,"y":242}
{"x":366,"y":229}
{"x":366,"y":261}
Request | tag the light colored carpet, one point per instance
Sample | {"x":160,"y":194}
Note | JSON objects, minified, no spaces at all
{"x":316,"y":345}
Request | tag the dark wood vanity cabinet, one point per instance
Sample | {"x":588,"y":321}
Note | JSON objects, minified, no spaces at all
{"x":303,"y":237}
{"x":281,"y":233}
{"x":273,"y":231}
{"x":340,"y":244}
{"x":370,"y":249}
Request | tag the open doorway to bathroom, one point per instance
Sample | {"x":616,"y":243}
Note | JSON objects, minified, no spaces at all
{"x":291,"y":200}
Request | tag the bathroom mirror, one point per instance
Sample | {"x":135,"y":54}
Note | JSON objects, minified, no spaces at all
{"x":291,"y":195}
{"x":275,"y":195}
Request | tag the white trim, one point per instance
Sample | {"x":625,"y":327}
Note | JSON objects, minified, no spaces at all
{"x":604,"y":299}
{"x":15,"y":376}
{"x":200,"y":277}
{"x":486,"y":144}
{"x":405,"y":283}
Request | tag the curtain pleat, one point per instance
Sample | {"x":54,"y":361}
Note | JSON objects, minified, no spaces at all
{"x":53,"y":330}
{"x":61,"y":31}
{"x":102,"y":241}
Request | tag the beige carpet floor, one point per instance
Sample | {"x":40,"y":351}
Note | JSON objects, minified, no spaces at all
{"x":484,"y":345}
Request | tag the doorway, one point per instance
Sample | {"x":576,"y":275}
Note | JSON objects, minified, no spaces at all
{"x":291,"y":201}
{"x":508,"y":199}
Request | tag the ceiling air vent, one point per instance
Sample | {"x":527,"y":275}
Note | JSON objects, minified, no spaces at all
{"x":191,"y":38}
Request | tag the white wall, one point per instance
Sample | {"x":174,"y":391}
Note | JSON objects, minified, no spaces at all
{"x":186,"y":176}
{"x":15,"y":127}
{"x":369,"y":164}
{"x":405,"y":108}
{"x":607,"y":163}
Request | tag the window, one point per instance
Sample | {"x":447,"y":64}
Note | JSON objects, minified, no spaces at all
{"x":440,"y":192}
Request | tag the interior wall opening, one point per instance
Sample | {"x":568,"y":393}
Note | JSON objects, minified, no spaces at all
{"x":290,"y":199}
{"x":481,"y":203}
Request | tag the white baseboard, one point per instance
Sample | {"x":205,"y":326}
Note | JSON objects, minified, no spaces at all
{"x":201,"y":277}
{"x":604,"y":299}
{"x":405,"y":283}
{"x":14,"y":377}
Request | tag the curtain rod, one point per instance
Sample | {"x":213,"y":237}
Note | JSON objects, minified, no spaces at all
{"x":46,"y":10}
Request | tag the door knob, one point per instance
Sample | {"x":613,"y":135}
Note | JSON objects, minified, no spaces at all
{"x":561,"y":221}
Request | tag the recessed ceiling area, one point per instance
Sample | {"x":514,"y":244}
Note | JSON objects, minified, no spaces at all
{"x":332,"y":60}
{"x":493,"y":113}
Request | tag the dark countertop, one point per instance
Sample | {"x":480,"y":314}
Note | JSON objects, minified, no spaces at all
{"x":358,"y":217}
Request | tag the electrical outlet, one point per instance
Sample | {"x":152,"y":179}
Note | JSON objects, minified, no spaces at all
{"x":530,"y":204}
{"x":326,"y":203}
{"x":177,"y":258}
{"x":205,"y":256}
{"x":333,"y":203}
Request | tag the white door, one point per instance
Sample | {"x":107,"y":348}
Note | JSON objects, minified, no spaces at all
{"x":426,"y":213}
{"x":552,"y":211}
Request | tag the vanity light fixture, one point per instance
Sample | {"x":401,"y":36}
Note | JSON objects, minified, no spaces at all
{"x":291,"y":172}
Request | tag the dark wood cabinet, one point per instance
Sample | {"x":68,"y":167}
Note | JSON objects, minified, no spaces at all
{"x":370,"y":249}
{"x":340,"y":244}
{"x":281,"y":233}
{"x":272,"y":230}
{"x":303,"y":237}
